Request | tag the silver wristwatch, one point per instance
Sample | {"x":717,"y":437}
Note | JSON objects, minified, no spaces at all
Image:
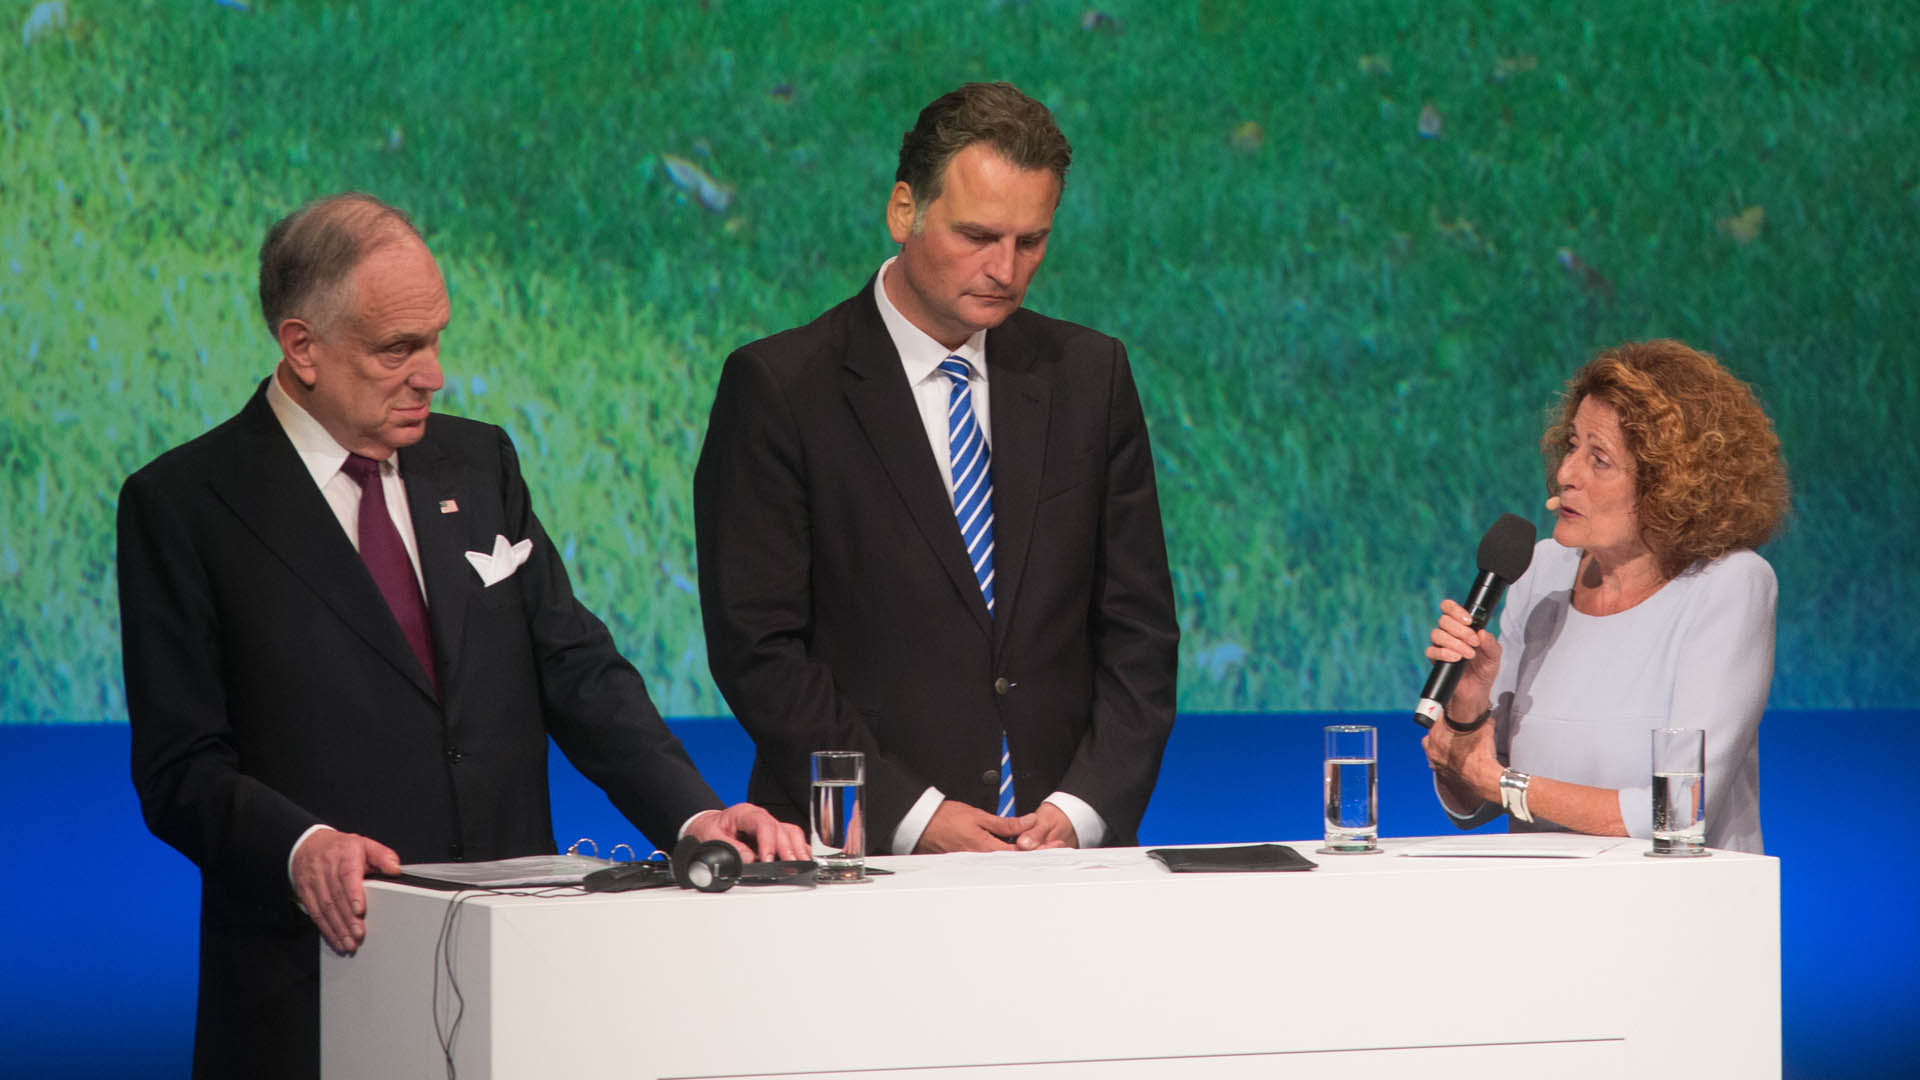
{"x":1513,"y":794}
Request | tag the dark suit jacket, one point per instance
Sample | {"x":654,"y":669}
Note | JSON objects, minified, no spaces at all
{"x":842,"y":612}
{"x":270,"y":689}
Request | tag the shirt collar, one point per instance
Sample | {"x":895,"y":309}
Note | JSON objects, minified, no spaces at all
{"x":919,"y":353}
{"x":318,"y":451}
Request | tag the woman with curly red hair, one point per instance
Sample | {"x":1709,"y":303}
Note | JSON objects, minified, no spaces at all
{"x":1647,"y":608}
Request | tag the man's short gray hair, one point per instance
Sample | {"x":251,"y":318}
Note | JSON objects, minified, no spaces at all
{"x":307,"y":255}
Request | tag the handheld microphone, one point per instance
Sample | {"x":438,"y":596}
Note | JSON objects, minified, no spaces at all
{"x":1504,"y":553}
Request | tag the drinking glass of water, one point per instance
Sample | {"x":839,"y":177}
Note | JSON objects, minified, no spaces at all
{"x":837,"y":816}
{"x":1352,"y":801}
{"x":1679,"y":792}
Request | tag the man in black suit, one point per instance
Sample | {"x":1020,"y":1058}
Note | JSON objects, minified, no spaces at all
{"x":871,"y":578}
{"x":347,"y":638}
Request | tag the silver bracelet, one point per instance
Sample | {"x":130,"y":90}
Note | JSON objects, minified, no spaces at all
{"x":1513,"y":794}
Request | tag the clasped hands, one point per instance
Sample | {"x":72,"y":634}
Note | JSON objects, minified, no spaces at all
{"x":956,"y":826}
{"x":1464,"y":764}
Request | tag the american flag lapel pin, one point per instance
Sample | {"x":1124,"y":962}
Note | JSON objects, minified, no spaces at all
{"x":448,"y":506}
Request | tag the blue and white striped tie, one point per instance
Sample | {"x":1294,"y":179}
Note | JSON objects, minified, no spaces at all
{"x":973,"y":510}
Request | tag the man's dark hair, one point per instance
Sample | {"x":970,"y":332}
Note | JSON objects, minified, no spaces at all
{"x":1018,"y":128}
{"x":308,"y":254}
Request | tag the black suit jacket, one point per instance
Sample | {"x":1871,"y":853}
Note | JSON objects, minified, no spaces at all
{"x":841,"y":609}
{"x":270,"y":689}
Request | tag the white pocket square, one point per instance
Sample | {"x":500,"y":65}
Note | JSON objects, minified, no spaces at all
{"x":500,"y":565}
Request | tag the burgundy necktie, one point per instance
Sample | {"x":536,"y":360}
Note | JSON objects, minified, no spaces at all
{"x":386,"y":559}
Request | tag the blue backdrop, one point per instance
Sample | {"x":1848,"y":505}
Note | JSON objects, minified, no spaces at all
{"x":99,"y":979}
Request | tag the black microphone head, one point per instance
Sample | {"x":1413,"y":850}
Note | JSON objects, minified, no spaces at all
{"x":1507,"y":548}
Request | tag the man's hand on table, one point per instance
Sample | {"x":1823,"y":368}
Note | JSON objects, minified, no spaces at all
{"x":327,"y":871}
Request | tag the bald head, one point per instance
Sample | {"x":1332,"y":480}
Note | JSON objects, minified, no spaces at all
{"x":308,"y":257}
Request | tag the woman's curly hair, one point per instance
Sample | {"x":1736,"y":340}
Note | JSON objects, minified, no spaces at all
{"x":1708,"y":475}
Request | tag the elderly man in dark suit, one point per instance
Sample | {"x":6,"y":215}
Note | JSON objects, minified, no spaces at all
{"x":347,"y":638}
{"x":928,"y":528}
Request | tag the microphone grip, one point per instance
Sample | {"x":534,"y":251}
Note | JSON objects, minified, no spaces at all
{"x":1481,"y":600}
{"x":1434,"y":695}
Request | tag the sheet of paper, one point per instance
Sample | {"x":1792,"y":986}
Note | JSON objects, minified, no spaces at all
{"x":1514,"y":846}
{"x":509,"y":873}
{"x":1052,"y":860}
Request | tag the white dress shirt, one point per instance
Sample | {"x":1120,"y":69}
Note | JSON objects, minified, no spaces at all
{"x":326,"y":459}
{"x":921,"y":356}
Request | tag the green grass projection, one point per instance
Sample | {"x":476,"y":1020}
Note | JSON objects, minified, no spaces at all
{"x":1346,"y":331}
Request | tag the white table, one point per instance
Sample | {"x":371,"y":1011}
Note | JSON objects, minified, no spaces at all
{"x":1370,"y":966}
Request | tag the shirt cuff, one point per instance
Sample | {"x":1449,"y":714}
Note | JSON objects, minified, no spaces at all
{"x":688,"y":824}
{"x":1088,"y":826}
{"x":907,"y":836}
{"x":311,"y":829}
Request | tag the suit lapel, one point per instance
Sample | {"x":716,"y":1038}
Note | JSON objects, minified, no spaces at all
{"x":270,"y":490}
{"x":434,"y":502}
{"x":1022,"y":399}
{"x":877,"y":391}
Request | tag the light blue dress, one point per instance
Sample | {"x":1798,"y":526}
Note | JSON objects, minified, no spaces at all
{"x":1578,"y":694}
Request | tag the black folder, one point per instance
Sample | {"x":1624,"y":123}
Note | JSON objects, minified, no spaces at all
{"x":1245,"y":859}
